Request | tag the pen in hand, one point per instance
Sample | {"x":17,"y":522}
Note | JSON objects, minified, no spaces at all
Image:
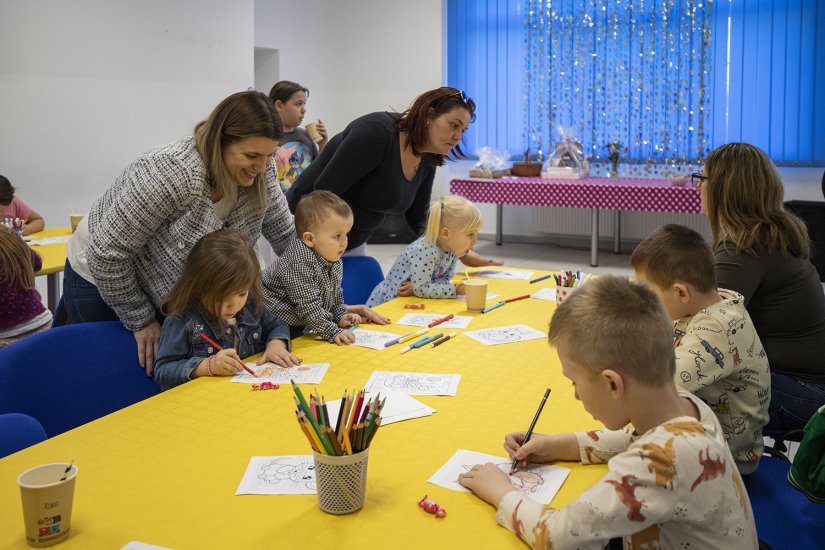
{"x":530,"y":429}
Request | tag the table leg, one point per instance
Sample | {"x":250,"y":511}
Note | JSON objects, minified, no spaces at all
{"x":594,"y":237}
{"x":499,"y":223}
{"x":53,"y":290}
{"x":617,"y":232}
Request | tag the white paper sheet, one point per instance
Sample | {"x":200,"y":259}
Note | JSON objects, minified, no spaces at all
{"x":505,"y":335}
{"x":137,"y":545}
{"x":546,"y":294}
{"x":310,"y":373}
{"x":463,"y":298}
{"x":398,"y":406}
{"x":424,"y":319}
{"x":413,"y":383}
{"x":503,"y":274}
{"x":279,"y":475}
{"x":373,"y":339}
{"x":50,"y":240}
{"x":540,"y":482}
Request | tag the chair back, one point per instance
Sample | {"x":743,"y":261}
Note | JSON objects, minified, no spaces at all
{"x":784,"y":517}
{"x":361,"y":275}
{"x":70,"y":375}
{"x":18,"y":431}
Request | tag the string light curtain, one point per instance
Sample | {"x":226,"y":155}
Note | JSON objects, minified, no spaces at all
{"x":632,"y":73}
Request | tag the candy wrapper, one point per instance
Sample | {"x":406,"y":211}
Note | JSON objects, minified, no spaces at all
{"x":568,"y":160}
{"x":492,"y":163}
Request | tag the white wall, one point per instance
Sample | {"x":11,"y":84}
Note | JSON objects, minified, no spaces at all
{"x":86,"y":86}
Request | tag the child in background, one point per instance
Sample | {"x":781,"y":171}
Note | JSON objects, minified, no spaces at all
{"x":296,"y":150}
{"x":217,"y":295}
{"x":719,"y":356}
{"x":13,"y":207}
{"x":21,"y":309}
{"x":670,"y":481}
{"x":427,"y":265}
{"x":303,"y":286}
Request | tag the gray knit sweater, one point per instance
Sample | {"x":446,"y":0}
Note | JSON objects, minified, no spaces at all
{"x":142,"y":229}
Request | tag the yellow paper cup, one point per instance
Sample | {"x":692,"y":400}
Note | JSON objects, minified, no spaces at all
{"x":476,"y":292}
{"x":47,"y":503}
{"x":312,"y":130}
{"x":75,"y":220}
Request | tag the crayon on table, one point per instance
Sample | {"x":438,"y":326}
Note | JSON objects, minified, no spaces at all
{"x":442,"y":340}
{"x":429,"y":339}
{"x":439,"y":321}
{"x":543,"y":277}
{"x":412,"y":335}
{"x":507,"y":301}
{"x":492,"y":307}
{"x":413,"y":345}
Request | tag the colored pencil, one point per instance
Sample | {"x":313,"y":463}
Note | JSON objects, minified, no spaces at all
{"x":219,"y":348}
{"x":530,"y":429}
{"x":353,"y":327}
{"x":309,"y":415}
{"x":442,"y":320}
{"x":543,"y":277}
{"x":340,"y":414}
{"x":442,"y":340}
{"x":312,"y":441}
{"x":492,"y":307}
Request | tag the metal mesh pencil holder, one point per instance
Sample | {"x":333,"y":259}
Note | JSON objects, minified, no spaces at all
{"x":341,"y":481}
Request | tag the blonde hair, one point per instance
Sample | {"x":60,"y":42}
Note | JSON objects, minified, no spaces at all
{"x":454,"y":212}
{"x":15,"y":260}
{"x":239,"y":116}
{"x":316,"y":207}
{"x":612,"y":323}
{"x":220,"y":264}
{"x":744,"y":203}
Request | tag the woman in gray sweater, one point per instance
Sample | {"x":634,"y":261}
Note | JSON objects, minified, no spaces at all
{"x":129,"y":251}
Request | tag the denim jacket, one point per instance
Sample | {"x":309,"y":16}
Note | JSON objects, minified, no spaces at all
{"x":181,"y":348}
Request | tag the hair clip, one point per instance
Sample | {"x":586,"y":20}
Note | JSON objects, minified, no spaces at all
{"x":265,"y":386}
{"x":414,"y":306}
{"x":432,"y":508}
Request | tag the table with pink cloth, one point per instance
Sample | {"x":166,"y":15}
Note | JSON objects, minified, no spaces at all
{"x":617,"y":194}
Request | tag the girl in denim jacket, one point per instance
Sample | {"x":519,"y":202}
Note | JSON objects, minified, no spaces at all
{"x":212,"y":298}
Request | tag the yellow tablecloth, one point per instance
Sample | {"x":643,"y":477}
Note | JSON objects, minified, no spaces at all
{"x":54,"y":255}
{"x":165,"y":470}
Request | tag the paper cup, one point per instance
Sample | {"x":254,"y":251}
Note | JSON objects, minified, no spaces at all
{"x":75,"y":220}
{"x":341,"y":481}
{"x":563,"y":293}
{"x":312,"y":130}
{"x":47,"y":503}
{"x":476,"y":292}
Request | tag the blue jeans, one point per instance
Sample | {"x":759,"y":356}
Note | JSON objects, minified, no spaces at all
{"x":793,"y":402}
{"x":82,"y":299}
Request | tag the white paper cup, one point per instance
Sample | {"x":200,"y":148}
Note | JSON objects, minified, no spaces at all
{"x":476,"y":292}
{"x":312,"y":130}
{"x":47,"y":503}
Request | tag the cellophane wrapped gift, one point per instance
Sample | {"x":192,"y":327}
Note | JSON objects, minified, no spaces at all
{"x":492,"y":163}
{"x":567,"y":160}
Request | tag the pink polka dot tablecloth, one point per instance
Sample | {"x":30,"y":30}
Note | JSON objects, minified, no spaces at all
{"x":641,"y":194}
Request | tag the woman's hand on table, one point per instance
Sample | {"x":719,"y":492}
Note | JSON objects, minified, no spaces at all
{"x":147,"y":340}
{"x":277,"y":352}
{"x":369,"y":315}
{"x":488,"y":482}
{"x":474,"y":259}
{"x":406,"y":289}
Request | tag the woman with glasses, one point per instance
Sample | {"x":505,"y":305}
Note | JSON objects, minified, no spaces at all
{"x":384,"y":163}
{"x":762,"y":252}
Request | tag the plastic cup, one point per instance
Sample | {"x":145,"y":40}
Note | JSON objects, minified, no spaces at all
{"x":563,"y":293}
{"x":75,"y":219}
{"x":47,"y":503}
{"x":476,"y":292}
{"x":312,"y":130}
{"x":341,"y":481}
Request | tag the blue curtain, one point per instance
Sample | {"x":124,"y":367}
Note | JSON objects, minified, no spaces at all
{"x":668,"y":79}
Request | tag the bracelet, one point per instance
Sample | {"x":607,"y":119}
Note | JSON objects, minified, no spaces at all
{"x":209,"y":365}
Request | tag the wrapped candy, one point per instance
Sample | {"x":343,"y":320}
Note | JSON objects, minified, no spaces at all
{"x":432,"y":508}
{"x":414,"y":306}
{"x":265,"y":386}
{"x":492,"y":163}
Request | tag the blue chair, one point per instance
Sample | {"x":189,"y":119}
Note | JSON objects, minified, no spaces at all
{"x":18,"y":431}
{"x":361,"y":275}
{"x":785,"y":518}
{"x":70,"y":375}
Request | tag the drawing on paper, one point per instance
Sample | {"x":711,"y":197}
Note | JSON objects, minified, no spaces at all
{"x":289,"y":473}
{"x":413,"y":383}
{"x":424,"y":319}
{"x":505,"y":335}
{"x":525,"y":481}
{"x":276,"y":374}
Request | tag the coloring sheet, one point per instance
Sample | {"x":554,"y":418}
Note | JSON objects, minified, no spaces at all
{"x":546,"y":294}
{"x":505,"y":335}
{"x":503,"y":274}
{"x":490,"y":296}
{"x":49,"y":240}
{"x":279,"y":475}
{"x":413,"y":383}
{"x":372,"y":339}
{"x":424,"y":319}
{"x":311,"y":373}
{"x":540,"y":482}
{"x":399,"y":406}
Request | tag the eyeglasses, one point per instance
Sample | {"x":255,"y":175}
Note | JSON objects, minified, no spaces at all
{"x":696,"y":179}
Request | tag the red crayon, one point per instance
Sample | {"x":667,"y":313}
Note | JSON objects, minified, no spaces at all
{"x":516,"y":299}
{"x":217,"y":347}
{"x":439,"y":321}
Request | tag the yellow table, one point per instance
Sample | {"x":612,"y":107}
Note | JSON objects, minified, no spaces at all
{"x":54,"y":258}
{"x":165,"y":471}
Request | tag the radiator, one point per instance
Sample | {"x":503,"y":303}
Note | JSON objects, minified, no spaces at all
{"x":635,"y":226}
